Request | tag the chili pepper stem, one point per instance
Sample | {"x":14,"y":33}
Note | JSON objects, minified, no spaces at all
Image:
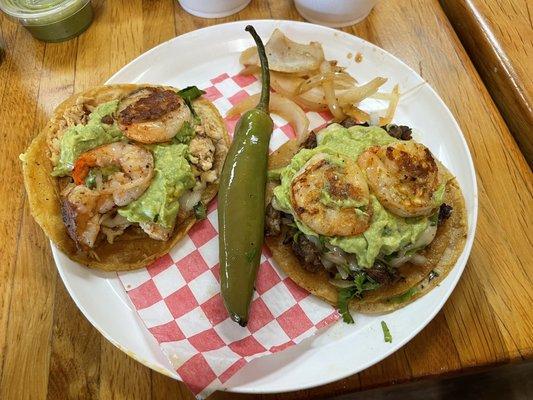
{"x":265,"y":73}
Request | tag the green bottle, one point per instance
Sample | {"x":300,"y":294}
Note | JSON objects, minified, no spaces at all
{"x":51,"y":20}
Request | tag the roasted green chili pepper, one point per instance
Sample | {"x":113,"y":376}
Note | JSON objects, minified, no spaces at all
{"x":241,"y":200}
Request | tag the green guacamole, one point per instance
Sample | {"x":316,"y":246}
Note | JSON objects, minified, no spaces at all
{"x":81,"y":138}
{"x":353,"y":141}
{"x":387,"y":233}
{"x":173,"y":176}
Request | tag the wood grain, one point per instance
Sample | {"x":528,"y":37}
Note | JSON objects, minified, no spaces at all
{"x":48,"y":349}
{"x":75,"y":352}
{"x":498,"y":34}
{"x":21,"y":76}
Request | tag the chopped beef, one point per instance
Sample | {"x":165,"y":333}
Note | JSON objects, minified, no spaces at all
{"x":288,"y":239}
{"x":349,"y":122}
{"x":381,"y":274}
{"x":86,"y":110}
{"x":310,"y":142}
{"x":444,"y":213}
{"x":400,"y":132}
{"x":272,"y":221}
{"x":307,"y":253}
{"x":107,"y":119}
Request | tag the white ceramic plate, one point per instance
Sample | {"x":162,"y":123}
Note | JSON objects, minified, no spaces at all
{"x":343,"y":349}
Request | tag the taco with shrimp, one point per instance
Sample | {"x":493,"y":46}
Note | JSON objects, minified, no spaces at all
{"x":363,"y":217}
{"x":121,"y":172}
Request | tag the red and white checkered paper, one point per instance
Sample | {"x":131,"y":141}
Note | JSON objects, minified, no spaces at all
{"x":178,"y":296}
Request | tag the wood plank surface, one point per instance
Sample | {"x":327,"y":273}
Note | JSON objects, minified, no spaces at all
{"x":498,"y":36}
{"x":47,"y":348}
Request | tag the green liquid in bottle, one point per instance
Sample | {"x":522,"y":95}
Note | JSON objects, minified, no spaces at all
{"x":65,"y":29}
{"x":51,"y":20}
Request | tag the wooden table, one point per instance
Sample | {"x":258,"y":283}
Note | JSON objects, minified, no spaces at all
{"x":498,"y":36}
{"x":48,"y":349}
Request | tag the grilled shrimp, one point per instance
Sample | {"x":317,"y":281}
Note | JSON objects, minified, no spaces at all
{"x":152,"y":115}
{"x":81,"y":209}
{"x":331,"y":197}
{"x":123,"y":173}
{"x":403,"y":176}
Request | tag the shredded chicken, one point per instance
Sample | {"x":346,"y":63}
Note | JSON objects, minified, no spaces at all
{"x":112,"y":225}
{"x":209,"y":176}
{"x":75,"y":115}
{"x":201,"y":152}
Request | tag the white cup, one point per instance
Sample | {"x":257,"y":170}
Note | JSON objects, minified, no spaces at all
{"x":213,"y":8}
{"x":334,"y":13}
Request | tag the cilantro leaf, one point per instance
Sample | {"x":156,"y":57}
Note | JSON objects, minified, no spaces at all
{"x":404,"y":297}
{"x":200,"y":211}
{"x":361,"y":283}
{"x":345,"y":295}
{"x":189,"y":94}
{"x":90,"y":179}
{"x":296,"y":236}
{"x":185,"y":134}
{"x":386,"y":332}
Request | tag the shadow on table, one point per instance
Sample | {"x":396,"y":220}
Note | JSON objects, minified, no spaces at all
{"x":510,"y":382}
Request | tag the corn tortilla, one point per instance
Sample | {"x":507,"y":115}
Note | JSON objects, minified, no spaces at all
{"x":133,"y":249}
{"x":441,"y":254}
